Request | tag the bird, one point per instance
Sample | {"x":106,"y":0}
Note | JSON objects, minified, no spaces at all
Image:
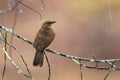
{"x":43,"y":39}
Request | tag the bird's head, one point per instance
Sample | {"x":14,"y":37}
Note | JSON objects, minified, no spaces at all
{"x":47,"y":24}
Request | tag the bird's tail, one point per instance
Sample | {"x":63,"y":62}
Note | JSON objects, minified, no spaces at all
{"x":38,"y":59}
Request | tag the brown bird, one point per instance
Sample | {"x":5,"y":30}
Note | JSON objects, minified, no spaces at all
{"x":42,"y":40}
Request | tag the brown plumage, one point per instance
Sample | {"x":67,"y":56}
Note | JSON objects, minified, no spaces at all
{"x":42,"y":40}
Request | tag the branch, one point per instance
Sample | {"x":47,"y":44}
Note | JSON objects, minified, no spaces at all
{"x":14,"y":34}
{"x":74,"y":58}
{"x":16,"y":66}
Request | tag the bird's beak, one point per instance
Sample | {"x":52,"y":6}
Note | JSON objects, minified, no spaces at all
{"x":53,"y":22}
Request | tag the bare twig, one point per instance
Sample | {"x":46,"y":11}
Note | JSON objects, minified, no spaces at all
{"x":10,"y":9}
{"x":82,"y":59}
{"x":14,"y":34}
{"x":11,"y":45}
{"x":4,"y":69}
{"x":14,"y":24}
{"x":81,"y":74}
{"x":30,"y":8}
{"x":109,"y":71}
{"x":107,"y":74}
{"x":95,"y":62}
{"x":48,"y":66}
{"x":16,"y":66}
{"x":43,"y":4}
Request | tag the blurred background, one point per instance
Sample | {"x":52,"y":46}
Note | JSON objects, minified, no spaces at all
{"x":83,"y":28}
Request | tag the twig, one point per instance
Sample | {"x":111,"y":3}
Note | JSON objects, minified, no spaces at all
{"x":11,"y":45}
{"x":14,"y":34}
{"x":81,"y":74}
{"x":4,"y":69}
{"x":96,"y":65}
{"x":107,"y":74}
{"x":48,"y":66}
{"x":82,"y":59}
{"x":11,"y":9}
{"x":109,"y":71}
{"x":43,"y":4}
{"x":16,"y":66}
{"x":30,"y":8}
{"x":14,"y":24}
